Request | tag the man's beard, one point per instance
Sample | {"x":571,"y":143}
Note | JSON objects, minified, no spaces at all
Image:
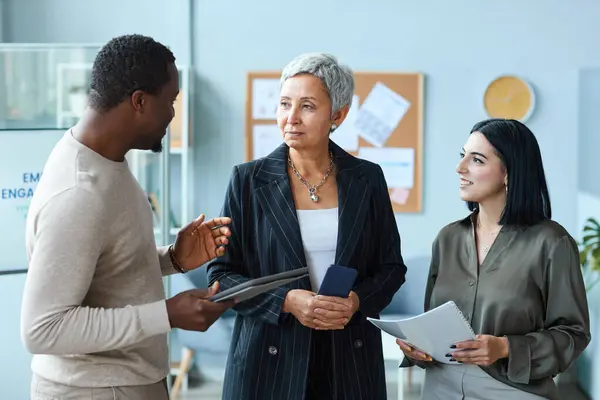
{"x":157,"y":148}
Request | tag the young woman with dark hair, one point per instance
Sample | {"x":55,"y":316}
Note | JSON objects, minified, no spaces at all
{"x":512,"y":271}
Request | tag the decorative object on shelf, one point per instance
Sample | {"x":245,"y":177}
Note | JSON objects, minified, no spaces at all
{"x":78,"y":98}
{"x":155,"y":206}
{"x":176,"y":127}
{"x":72,"y":92}
{"x":589,"y":253}
{"x":509,"y":97}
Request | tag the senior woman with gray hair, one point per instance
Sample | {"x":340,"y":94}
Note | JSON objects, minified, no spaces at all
{"x":309,"y":204}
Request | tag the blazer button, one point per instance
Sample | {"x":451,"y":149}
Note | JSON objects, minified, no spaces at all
{"x":358,"y":343}
{"x":272,"y":350}
{"x":471,"y":282}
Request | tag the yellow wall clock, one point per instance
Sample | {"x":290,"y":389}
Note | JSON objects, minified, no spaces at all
{"x":509,"y":97}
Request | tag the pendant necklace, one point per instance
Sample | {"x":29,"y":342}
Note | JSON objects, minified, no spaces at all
{"x":312,"y":189}
{"x":490,"y":234}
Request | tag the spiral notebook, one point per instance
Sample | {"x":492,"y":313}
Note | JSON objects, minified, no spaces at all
{"x":432,"y":332}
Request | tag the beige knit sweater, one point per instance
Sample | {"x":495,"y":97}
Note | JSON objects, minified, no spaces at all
{"x":94,"y":311}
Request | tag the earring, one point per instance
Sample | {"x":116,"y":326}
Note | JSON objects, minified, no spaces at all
{"x":333,"y":127}
{"x":506,"y":189}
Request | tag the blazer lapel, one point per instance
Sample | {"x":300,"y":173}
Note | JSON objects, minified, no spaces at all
{"x":353,"y":194}
{"x":275,"y":197}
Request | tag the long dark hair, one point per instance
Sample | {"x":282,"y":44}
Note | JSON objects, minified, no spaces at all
{"x":527,"y":198}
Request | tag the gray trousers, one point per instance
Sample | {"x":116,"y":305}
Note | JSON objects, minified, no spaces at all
{"x":42,"y":389}
{"x":467,"y":382}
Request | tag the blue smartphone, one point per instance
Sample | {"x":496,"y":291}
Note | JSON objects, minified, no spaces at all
{"x":338,"y":281}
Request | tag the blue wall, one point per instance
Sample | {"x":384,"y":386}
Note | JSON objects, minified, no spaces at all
{"x":589,"y":206}
{"x":460,"y":46}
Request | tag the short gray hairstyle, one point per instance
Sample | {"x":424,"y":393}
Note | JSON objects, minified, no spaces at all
{"x":338,"y":78}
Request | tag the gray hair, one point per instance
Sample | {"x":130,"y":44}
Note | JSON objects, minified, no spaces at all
{"x":338,"y":78}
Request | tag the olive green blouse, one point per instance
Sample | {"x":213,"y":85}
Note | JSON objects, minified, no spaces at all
{"x":529,"y":288}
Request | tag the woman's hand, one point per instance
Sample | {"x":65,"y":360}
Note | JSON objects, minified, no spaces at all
{"x":319,"y":312}
{"x":352,"y":302}
{"x":484,"y":350}
{"x":412,"y":353}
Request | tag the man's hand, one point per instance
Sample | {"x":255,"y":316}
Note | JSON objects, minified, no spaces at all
{"x":190,"y":310}
{"x":199,"y":242}
{"x":318,"y":312}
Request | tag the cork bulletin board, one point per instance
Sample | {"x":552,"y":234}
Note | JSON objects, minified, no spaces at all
{"x":384,"y":125}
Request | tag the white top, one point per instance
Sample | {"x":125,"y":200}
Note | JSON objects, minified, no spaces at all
{"x":319,"y":231}
{"x":94,"y":311}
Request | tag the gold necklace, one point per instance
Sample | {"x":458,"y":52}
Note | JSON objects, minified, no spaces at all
{"x":312,"y":189}
{"x":485,"y":249}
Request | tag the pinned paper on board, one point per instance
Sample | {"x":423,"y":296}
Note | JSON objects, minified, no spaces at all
{"x":265,"y":98}
{"x":265,"y":139}
{"x":380,"y":114}
{"x":346,"y":135}
{"x":400,"y":195}
{"x":397,"y":163}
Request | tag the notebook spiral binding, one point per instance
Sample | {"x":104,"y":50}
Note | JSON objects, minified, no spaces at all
{"x":462,"y":316}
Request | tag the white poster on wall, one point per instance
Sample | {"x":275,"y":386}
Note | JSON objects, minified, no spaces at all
{"x":397,"y":163}
{"x":265,"y":139}
{"x":265,"y":98}
{"x":23,"y":155}
{"x":346,"y":136}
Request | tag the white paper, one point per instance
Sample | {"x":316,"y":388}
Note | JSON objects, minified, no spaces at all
{"x":265,"y":139}
{"x":423,"y":331}
{"x":380,"y":114}
{"x":398,"y":164}
{"x":400,"y":195}
{"x":346,"y":135}
{"x":265,"y":98}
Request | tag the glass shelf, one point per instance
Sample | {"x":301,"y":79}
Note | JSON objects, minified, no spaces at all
{"x":43,"y":86}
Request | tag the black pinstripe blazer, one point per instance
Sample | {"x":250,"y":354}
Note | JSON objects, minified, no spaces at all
{"x":269,"y":352}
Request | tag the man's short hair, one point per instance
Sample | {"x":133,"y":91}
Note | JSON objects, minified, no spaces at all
{"x":125,"y":64}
